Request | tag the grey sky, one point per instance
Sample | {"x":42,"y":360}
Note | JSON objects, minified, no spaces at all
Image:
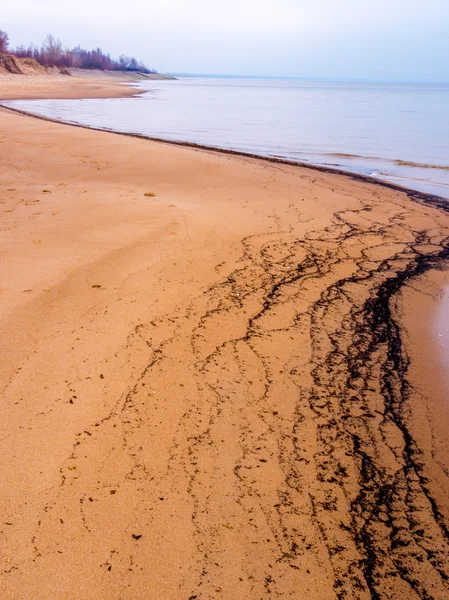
{"x":385,"y":40}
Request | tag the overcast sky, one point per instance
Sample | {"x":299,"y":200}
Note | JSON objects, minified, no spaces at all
{"x":403,"y":40}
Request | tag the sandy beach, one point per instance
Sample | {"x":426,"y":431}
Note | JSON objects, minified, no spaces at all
{"x":82,"y":84}
{"x":218,"y":374}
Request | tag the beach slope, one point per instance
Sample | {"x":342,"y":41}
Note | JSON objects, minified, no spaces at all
{"x":214,"y":377}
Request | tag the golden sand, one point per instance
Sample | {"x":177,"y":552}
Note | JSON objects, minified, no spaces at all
{"x":217,"y":374}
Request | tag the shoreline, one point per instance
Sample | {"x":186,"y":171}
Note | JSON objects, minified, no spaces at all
{"x":436,"y":200}
{"x":397,"y":166}
{"x":236,"y":356}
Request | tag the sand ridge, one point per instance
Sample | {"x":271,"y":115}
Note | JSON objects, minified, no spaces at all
{"x":80,"y":84}
{"x":211,"y":392}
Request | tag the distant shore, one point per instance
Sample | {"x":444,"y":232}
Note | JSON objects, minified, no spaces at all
{"x":219,"y":350}
{"x":81,"y":84}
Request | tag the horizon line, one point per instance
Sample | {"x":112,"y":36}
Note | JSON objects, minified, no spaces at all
{"x":309,"y":78}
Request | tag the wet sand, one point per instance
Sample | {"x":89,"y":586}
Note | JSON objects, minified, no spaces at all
{"x":217,"y":376}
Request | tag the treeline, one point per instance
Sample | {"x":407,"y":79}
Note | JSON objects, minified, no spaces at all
{"x":52,"y":52}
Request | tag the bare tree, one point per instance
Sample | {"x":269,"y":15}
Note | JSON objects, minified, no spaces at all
{"x":52,"y":50}
{"x":3,"y":41}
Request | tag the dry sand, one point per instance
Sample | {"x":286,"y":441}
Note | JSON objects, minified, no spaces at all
{"x":226,"y":389}
{"x":82,"y":84}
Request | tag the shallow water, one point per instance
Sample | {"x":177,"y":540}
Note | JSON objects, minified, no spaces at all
{"x":396,"y":132}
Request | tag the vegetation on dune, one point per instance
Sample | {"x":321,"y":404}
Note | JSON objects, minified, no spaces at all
{"x":53,"y":53}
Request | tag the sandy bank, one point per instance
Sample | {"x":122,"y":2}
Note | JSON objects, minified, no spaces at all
{"x":81,"y":84}
{"x":214,"y":381}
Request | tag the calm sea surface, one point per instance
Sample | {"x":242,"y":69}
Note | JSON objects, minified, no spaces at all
{"x":396,"y":132}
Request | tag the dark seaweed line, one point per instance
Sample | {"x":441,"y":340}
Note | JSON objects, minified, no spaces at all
{"x":385,"y":327}
{"x":380,"y":327}
{"x":370,"y":309}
